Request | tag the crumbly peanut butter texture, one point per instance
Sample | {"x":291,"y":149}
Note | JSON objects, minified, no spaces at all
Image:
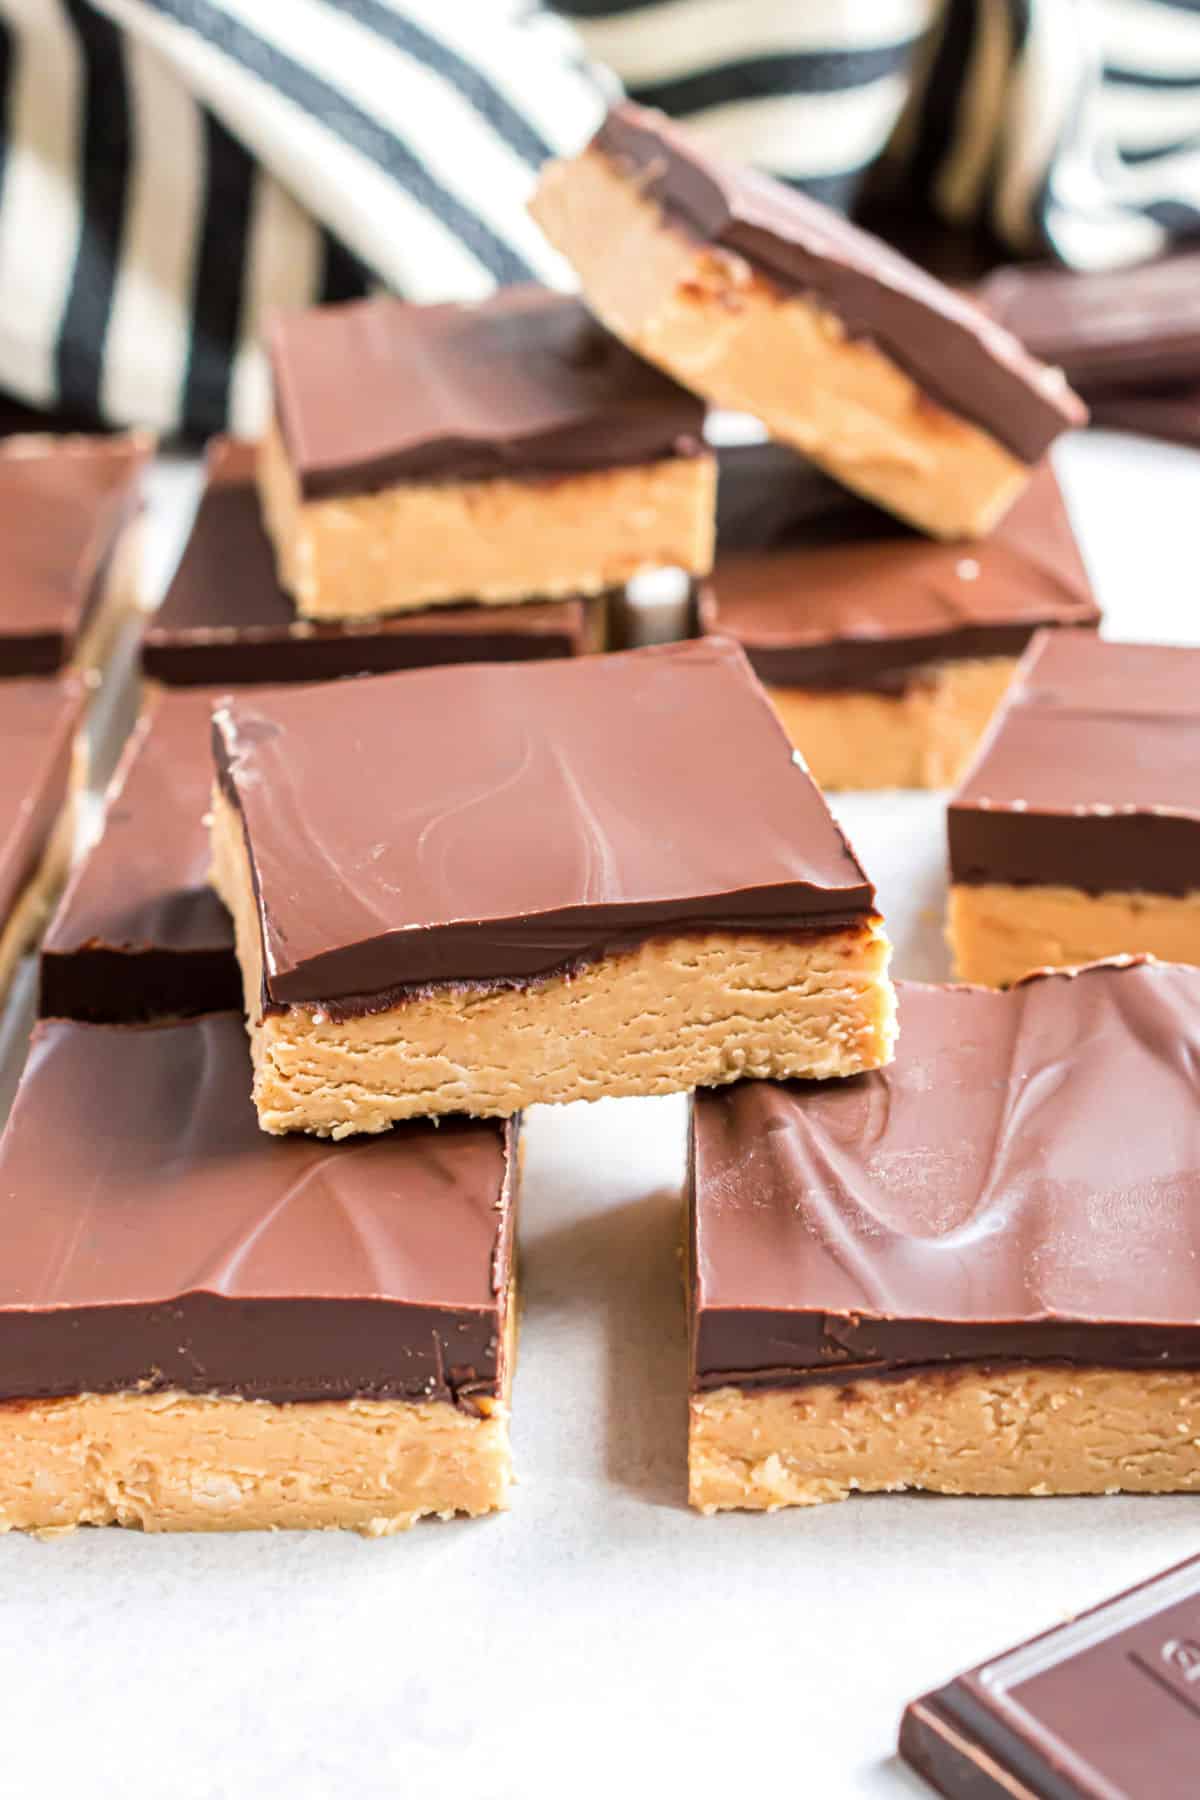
{"x":182,"y":1462}
{"x":426,"y":543}
{"x":675,"y":1013}
{"x":921,"y":738}
{"x":998,"y":933}
{"x":715,"y":324}
{"x":1033,"y":1430}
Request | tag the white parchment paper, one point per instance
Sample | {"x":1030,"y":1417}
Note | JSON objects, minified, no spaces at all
{"x":598,"y":1639}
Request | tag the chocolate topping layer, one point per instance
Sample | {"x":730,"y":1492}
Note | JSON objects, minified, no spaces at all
{"x":154,"y":1237}
{"x":982,"y":1198}
{"x":947,"y":345}
{"x":139,"y":933}
{"x":849,"y":599}
{"x":226,"y":620}
{"x":1091,"y":776}
{"x":1108,"y":329}
{"x":63,"y":504}
{"x":478,"y":824}
{"x":525,"y":383}
{"x":38,"y":723}
{"x":1101,"y":1706}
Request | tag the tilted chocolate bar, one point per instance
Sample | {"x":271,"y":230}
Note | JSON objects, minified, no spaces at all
{"x":68,"y":522}
{"x":1076,"y":833}
{"x":42,"y":768}
{"x":885,"y":655}
{"x":226,"y":621}
{"x":139,"y":933}
{"x":768,"y":303}
{"x":959,"y":1273}
{"x":507,"y":450}
{"x":466,"y":890}
{"x":1103,"y":1706}
{"x":202,"y":1328}
{"x":1109,"y":330}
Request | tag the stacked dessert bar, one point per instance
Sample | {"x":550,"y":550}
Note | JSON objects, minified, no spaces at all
{"x":338,"y":933}
{"x":885,"y":653}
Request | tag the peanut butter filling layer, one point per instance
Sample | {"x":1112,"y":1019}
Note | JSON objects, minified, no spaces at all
{"x":1031,"y":1429}
{"x":997,"y":933}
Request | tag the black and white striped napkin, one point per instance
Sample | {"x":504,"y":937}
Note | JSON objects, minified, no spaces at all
{"x":172,"y":171}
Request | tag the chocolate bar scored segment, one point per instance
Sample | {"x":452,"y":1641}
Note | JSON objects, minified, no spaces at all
{"x":1109,"y":330}
{"x":1090,"y":777}
{"x":1107,"y":1704}
{"x":225,"y":619}
{"x":371,"y":393}
{"x":139,"y":933}
{"x":824,"y":591}
{"x":562,"y":826}
{"x":197,"y":1253}
{"x":947,"y":345}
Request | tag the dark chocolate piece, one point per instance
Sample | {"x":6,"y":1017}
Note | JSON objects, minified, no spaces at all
{"x":63,"y":505}
{"x":954,"y":351}
{"x":226,"y":620}
{"x":154,"y":1237}
{"x":524,"y":384}
{"x":38,"y":725}
{"x":1106,"y":329}
{"x":981,"y":1199}
{"x":1105,"y":1707}
{"x":1091,"y":775}
{"x":769,"y":496}
{"x":1169,"y":413}
{"x":503,"y":823}
{"x":850,"y":599}
{"x":140,"y":934}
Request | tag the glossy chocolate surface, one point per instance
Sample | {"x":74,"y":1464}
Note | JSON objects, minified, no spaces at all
{"x":846,"y":598}
{"x":154,"y":1237}
{"x":63,"y":504}
{"x":1091,"y":776}
{"x":38,"y":724}
{"x":1110,"y":328}
{"x":523,"y":384}
{"x":982,"y":1199}
{"x":226,"y":621}
{"x":1103,"y":1706}
{"x":139,"y":933}
{"x":953,"y":351}
{"x":503,"y":823}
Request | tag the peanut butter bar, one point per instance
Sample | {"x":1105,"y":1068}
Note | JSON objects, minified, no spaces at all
{"x":508,"y":450}
{"x":466,"y":890}
{"x":42,"y":769}
{"x":767,"y":303}
{"x":203,"y":1329}
{"x":226,"y":621}
{"x":885,"y":655}
{"x":139,"y":933}
{"x":69,"y":526}
{"x":960,"y":1273}
{"x":1076,"y":832}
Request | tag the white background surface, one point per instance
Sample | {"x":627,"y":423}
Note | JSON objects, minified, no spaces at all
{"x":599,"y":1638}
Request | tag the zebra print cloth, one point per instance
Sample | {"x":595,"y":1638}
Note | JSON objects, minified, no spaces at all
{"x":172,"y":171}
